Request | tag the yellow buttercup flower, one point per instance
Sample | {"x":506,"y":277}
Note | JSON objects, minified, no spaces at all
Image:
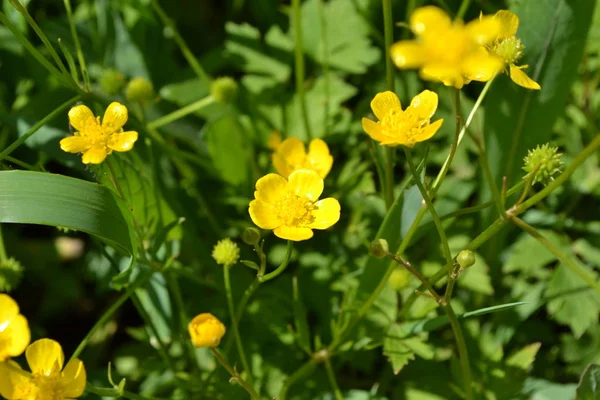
{"x":446,"y":51}
{"x":48,"y":380}
{"x":402,"y":127}
{"x":291,"y":155}
{"x":95,"y":139}
{"x":14,"y":330}
{"x":274,"y":140}
{"x":206,"y":330}
{"x":510,"y":48}
{"x":291,"y":207}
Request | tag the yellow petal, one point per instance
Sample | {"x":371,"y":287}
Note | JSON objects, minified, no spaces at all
{"x":73,"y":379}
{"x":8,"y":310}
{"x":407,"y":54}
{"x":481,"y":66}
{"x":270,"y":188}
{"x":263,"y":215}
{"x":306,"y":182}
{"x":290,"y":153}
{"x":373,"y":129}
{"x":320,"y":158}
{"x":122,"y":141}
{"x":484,"y":30}
{"x":448,"y":75}
{"x":94,"y":155}
{"x":15,"y":383}
{"x":425,"y":20}
{"x":75,"y":144}
{"x":18,"y":335}
{"x":115,"y":117}
{"x":429,"y":131}
{"x":385,"y":102}
{"x":520,"y":78}
{"x":509,"y":23}
{"x":293,"y":233}
{"x":80,"y":116}
{"x":326,"y":214}
{"x":274,"y":140}
{"x":206,"y":330}
{"x":424,"y":104}
{"x":45,"y":356}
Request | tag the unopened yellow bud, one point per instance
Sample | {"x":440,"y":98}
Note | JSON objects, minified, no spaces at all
{"x":251,"y":236}
{"x":466,"y":258}
{"x":224,"y":90}
{"x":399,"y":278}
{"x":139,"y":89}
{"x":379,"y":248}
{"x":112,"y":81}
{"x":206,"y":330}
{"x":226,"y":252}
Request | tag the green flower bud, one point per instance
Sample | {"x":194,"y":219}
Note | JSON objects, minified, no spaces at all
{"x":111,"y":81}
{"x":399,"y":278}
{"x":548,"y":160}
{"x":224,"y":90}
{"x":226,"y":252}
{"x":11,"y":272}
{"x":251,"y":236}
{"x":379,"y":248}
{"x":465,"y":259}
{"x":139,"y":89}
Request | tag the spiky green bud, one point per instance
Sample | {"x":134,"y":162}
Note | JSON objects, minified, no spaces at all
{"x":11,"y":272}
{"x":544,"y":162}
{"x":226,"y":252}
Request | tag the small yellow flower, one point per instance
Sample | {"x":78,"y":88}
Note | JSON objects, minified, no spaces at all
{"x":510,"y":49}
{"x":274,"y":140}
{"x":48,"y":380}
{"x":95,"y":139}
{"x":291,"y":155}
{"x":226,"y":252}
{"x":14,"y":330}
{"x":446,"y":51}
{"x":291,"y":207}
{"x":206,"y":330}
{"x":397,"y":127}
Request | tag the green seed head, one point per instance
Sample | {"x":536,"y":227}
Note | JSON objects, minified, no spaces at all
{"x":544,"y":162}
{"x":11,"y":272}
{"x":510,"y":49}
{"x":226,"y":252}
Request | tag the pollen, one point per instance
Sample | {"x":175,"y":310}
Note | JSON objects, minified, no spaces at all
{"x":296,"y":210}
{"x":49,"y":387}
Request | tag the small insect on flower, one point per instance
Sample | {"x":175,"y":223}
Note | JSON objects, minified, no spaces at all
{"x":226,"y":252}
{"x":48,"y":379}
{"x":206,"y":330}
{"x":291,"y":207}
{"x":402,"y":127}
{"x":14,"y":329}
{"x":291,"y":155}
{"x":95,"y":139}
{"x":510,"y":49}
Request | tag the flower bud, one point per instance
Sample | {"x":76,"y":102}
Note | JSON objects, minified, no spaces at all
{"x":465,"y":259}
{"x":206,"y":330}
{"x":379,"y":248}
{"x":11,"y":272}
{"x":399,"y":278}
{"x":251,"y":236}
{"x":111,"y":81}
{"x":226,"y":252}
{"x":224,"y":90}
{"x":544,"y":162}
{"x":139,"y":89}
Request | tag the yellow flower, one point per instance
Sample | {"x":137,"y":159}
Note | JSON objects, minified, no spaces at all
{"x":510,"y":48}
{"x":226,"y":252}
{"x":274,"y":140}
{"x":291,"y":155}
{"x":97,"y":140}
{"x":14,"y":330}
{"x":291,"y":207}
{"x":446,"y":51}
{"x":48,"y":380}
{"x":206,"y":330}
{"x":396,"y":127}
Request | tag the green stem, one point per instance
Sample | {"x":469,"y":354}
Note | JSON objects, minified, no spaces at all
{"x":417,"y":274}
{"x":305,"y":369}
{"x":282,"y":266}
{"x":498,"y":201}
{"x":334,"y":385}
{"x":388,"y":24}
{"x":183,"y":318}
{"x":185,"y":50}
{"x":234,"y":323}
{"x":37,"y":126}
{"x":299,"y":61}
{"x":572,"y":265}
{"x":182,"y":112}
{"x":78,"y":51}
{"x":235,"y":376}
{"x":462,"y":351}
{"x":70,"y":61}
{"x":3,"y":256}
{"x":463,"y":9}
{"x":116,"y":393}
{"x":241,"y":308}
{"x":325,"y":48}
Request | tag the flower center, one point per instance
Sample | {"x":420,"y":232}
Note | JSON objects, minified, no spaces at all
{"x":295,"y":210}
{"x":97,"y":136}
{"x":49,"y":387}
{"x":404,"y":125}
{"x":510,"y":49}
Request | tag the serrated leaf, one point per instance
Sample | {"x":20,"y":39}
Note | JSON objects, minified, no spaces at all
{"x":524,"y":357}
{"x":528,"y":254}
{"x":395,"y":349}
{"x":589,"y":385}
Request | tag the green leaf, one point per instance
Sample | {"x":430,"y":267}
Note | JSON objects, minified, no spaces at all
{"x":524,"y":357}
{"x":528,"y":254}
{"x":300,"y":319}
{"x":230,"y":161}
{"x":589,"y":386}
{"x":47,"y":199}
{"x":540,"y":389}
{"x":586,"y":250}
{"x":395,"y":349}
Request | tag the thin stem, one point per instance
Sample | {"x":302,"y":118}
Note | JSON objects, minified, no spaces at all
{"x":388,"y":24}
{"x":183,"y":318}
{"x":282,"y":266}
{"x":3,"y":256}
{"x":305,"y":369}
{"x":37,"y":126}
{"x":299,"y":64}
{"x":463,"y":354}
{"x":241,"y":308}
{"x":234,"y":323}
{"x":185,"y":50}
{"x":488,"y":176}
{"x":70,"y":61}
{"x":78,"y":51}
{"x":463,"y":9}
{"x":449,"y":289}
{"x":182,"y":112}
{"x":572,"y":265}
{"x":235,"y":376}
{"x":334,"y":385}
{"x":417,"y":274}
{"x":115,"y":392}
{"x":325,"y":49}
